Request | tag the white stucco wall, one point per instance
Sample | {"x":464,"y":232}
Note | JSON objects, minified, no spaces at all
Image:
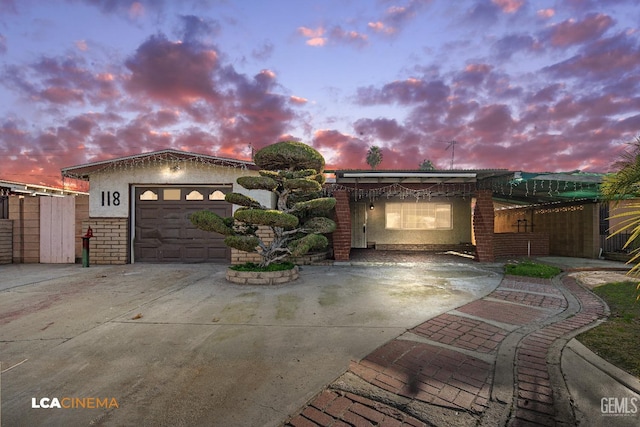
{"x":109,"y":196}
{"x":459,"y":233}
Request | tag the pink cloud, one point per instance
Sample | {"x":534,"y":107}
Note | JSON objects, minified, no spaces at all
{"x":492,"y":122}
{"x":509,"y":6}
{"x":136,"y":10}
{"x":320,"y":36}
{"x":381,"y":28}
{"x":62,"y":95}
{"x":298,"y":100}
{"x":314,"y":36}
{"x":172,"y":72}
{"x":339,"y":36}
{"x":546,"y":13}
{"x":409,"y":91}
{"x":351,"y":151}
{"x":571,"y":32}
{"x":609,"y":58}
{"x":514,"y":43}
{"x":81,"y":45}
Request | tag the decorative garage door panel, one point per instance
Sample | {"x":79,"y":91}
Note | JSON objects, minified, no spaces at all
{"x":163,"y":232}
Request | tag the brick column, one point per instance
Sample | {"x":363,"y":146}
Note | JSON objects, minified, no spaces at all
{"x":342,"y":235}
{"x":483,"y":222}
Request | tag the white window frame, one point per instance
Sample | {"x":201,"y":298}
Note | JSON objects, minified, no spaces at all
{"x":418,"y":216}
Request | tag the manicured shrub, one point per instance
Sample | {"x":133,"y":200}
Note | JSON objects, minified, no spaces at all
{"x":293,"y":171}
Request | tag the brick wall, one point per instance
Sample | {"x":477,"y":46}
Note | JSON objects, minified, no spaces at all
{"x":483,"y":223}
{"x":342,"y":235}
{"x":25,"y":213}
{"x":6,"y":241}
{"x":573,"y":229}
{"x":518,"y":245}
{"x":240,"y":257}
{"x":109,"y":244}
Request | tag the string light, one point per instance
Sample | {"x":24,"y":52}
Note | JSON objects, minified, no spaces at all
{"x":402,"y":192}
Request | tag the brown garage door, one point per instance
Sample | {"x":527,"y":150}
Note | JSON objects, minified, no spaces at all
{"x":163,"y":232}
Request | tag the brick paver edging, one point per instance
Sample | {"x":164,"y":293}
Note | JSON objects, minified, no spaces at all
{"x":541,"y":397}
{"x":523,"y":325}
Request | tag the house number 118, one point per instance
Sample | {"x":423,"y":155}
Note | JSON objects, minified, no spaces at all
{"x":108,"y":200}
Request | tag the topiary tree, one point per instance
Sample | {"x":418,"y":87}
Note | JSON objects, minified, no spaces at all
{"x":293,"y":171}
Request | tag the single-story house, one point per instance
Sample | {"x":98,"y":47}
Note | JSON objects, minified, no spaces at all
{"x":139,"y":206}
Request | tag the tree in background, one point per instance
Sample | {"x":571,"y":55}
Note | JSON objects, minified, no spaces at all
{"x":625,"y":183}
{"x":374,"y":156}
{"x":293,"y":171}
{"x":427,"y":165}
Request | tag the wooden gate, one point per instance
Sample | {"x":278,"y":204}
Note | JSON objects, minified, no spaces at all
{"x":57,"y":230}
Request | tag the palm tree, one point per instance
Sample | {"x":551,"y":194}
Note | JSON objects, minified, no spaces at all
{"x":623,"y":184}
{"x":374,"y":156}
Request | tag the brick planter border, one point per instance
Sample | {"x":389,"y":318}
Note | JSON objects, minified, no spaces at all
{"x":262,"y":277}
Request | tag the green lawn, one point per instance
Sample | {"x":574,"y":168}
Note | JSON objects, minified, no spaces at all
{"x":618,"y":339}
{"x":531,"y":269}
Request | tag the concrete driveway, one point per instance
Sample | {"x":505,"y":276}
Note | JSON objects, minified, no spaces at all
{"x":177,"y":345}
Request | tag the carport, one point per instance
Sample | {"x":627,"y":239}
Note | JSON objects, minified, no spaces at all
{"x":496,"y":213}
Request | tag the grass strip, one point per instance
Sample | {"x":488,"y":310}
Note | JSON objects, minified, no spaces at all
{"x":618,"y":339}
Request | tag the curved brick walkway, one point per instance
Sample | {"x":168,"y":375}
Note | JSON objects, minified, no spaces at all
{"x":494,"y":361}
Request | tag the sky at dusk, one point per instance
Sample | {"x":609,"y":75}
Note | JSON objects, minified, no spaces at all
{"x":518,"y":84}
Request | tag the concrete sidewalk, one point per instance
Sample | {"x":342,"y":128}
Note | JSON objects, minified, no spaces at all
{"x":507,"y":359}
